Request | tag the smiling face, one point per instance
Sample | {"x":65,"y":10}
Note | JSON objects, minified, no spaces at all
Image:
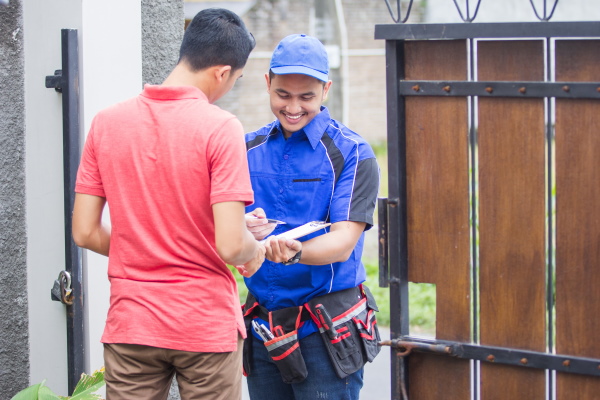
{"x":295,"y":100}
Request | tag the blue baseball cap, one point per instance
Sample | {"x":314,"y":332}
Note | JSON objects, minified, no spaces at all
{"x":301,"y":54}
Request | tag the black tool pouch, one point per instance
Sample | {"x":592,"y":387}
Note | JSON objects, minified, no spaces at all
{"x":367,"y":327}
{"x":284,"y":349}
{"x":248,"y":311}
{"x":353,"y":337}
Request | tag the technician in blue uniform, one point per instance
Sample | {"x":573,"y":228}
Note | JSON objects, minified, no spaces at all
{"x":306,"y":166}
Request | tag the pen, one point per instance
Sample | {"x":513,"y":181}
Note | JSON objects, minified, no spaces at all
{"x":269,"y":220}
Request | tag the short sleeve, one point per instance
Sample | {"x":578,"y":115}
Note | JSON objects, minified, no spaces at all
{"x":229,"y":175}
{"x":89,"y":180}
{"x":355,"y":194}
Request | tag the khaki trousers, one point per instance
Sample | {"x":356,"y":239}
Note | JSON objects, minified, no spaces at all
{"x":136,"y":372}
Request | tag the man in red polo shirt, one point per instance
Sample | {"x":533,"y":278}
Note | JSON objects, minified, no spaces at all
{"x":172,"y":168}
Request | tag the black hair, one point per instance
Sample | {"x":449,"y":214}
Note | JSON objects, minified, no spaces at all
{"x":216,"y":37}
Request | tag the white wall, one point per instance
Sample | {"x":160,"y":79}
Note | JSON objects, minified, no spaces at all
{"x":110,"y":53}
{"x":42,"y":24}
{"x":444,"y":11}
{"x":112,"y":71}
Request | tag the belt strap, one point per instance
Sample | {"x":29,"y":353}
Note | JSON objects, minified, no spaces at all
{"x":345,"y":298}
{"x":262,"y":313}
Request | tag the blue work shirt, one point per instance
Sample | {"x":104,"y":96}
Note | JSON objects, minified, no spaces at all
{"x":323,"y":172}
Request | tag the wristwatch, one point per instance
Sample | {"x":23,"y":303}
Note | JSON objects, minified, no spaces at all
{"x":294,"y":259}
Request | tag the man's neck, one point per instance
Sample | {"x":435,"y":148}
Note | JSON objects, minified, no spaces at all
{"x":183,"y":76}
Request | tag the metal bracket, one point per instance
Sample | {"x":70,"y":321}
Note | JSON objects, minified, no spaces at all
{"x":55,"y":81}
{"x":500,"y":355}
{"x":382,"y":222}
{"x":528,"y":89}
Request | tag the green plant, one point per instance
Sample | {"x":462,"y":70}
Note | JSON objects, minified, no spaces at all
{"x":422,"y":300}
{"x":85,"y":389}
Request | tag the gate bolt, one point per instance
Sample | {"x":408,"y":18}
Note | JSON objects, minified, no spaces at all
{"x":416,"y":88}
{"x":524,"y":361}
{"x":566,"y":363}
{"x":523,"y":90}
{"x":489,"y":89}
{"x":491,"y":358}
{"x":446,"y":89}
{"x":566,"y":88}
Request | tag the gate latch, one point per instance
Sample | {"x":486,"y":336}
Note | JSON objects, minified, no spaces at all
{"x":61,"y":290}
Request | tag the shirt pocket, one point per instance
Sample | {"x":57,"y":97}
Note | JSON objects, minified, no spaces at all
{"x":312,"y":196}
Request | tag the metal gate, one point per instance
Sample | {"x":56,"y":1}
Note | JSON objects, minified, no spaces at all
{"x":494,"y":197}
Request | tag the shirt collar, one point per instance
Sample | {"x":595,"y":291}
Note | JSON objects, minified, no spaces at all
{"x":161,"y":92}
{"x":315,"y":129}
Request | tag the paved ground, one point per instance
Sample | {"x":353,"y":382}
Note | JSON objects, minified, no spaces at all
{"x":377,"y":384}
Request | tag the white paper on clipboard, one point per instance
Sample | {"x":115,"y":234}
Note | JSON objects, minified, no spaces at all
{"x":303,"y":230}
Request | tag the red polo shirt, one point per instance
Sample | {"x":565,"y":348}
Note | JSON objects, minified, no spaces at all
{"x":161,"y":160}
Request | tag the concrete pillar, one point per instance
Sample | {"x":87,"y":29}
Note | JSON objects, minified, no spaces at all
{"x":14,"y":326}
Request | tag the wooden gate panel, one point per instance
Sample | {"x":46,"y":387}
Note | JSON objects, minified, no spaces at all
{"x":438,"y":215}
{"x":511,"y":221}
{"x":577,"y":217}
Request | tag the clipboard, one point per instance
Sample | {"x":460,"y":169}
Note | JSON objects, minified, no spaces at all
{"x":303,"y":230}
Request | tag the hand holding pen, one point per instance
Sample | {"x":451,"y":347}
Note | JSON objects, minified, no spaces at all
{"x":259,"y":225}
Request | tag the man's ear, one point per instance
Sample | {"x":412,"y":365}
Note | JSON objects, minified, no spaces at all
{"x":268,"y":82}
{"x":326,"y":90}
{"x":222,"y":72}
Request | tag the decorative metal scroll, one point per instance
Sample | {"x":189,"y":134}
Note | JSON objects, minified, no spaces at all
{"x":398,"y":11}
{"x":467,"y":17}
{"x":546,"y":16}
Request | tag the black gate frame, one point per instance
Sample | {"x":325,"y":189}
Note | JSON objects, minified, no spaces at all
{"x":66,"y":82}
{"x":392,"y":212}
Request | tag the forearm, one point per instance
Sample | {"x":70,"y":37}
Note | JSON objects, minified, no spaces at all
{"x":332,"y":247}
{"x":246,"y":251}
{"x":88,"y":230}
{"x":97,"y":241}
{"x":234,"y":243}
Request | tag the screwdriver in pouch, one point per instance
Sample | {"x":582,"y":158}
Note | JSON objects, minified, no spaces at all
{"x":326,"y":321}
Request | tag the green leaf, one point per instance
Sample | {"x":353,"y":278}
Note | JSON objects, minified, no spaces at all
{"x":87,"y":385}
{"x":46,"y":394}
{"x":31,"y":393}
{"x":36,"y":392}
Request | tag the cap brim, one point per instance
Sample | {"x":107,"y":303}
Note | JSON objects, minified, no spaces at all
{"x":298,"y":69}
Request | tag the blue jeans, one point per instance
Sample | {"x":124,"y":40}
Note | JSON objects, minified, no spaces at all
{"x":265,"y":383}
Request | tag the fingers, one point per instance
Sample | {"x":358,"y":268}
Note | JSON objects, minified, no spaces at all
{"x":258,"y":212}
{"x":280,"y":249}
{"x":260,"y":228}
{"x":294,"y":245}
{"x":256,"y":223}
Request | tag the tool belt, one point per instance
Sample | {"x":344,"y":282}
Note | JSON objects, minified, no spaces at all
{"x":346,"y":322}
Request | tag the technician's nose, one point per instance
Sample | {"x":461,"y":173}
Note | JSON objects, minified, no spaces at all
{"x":293,"y":106}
